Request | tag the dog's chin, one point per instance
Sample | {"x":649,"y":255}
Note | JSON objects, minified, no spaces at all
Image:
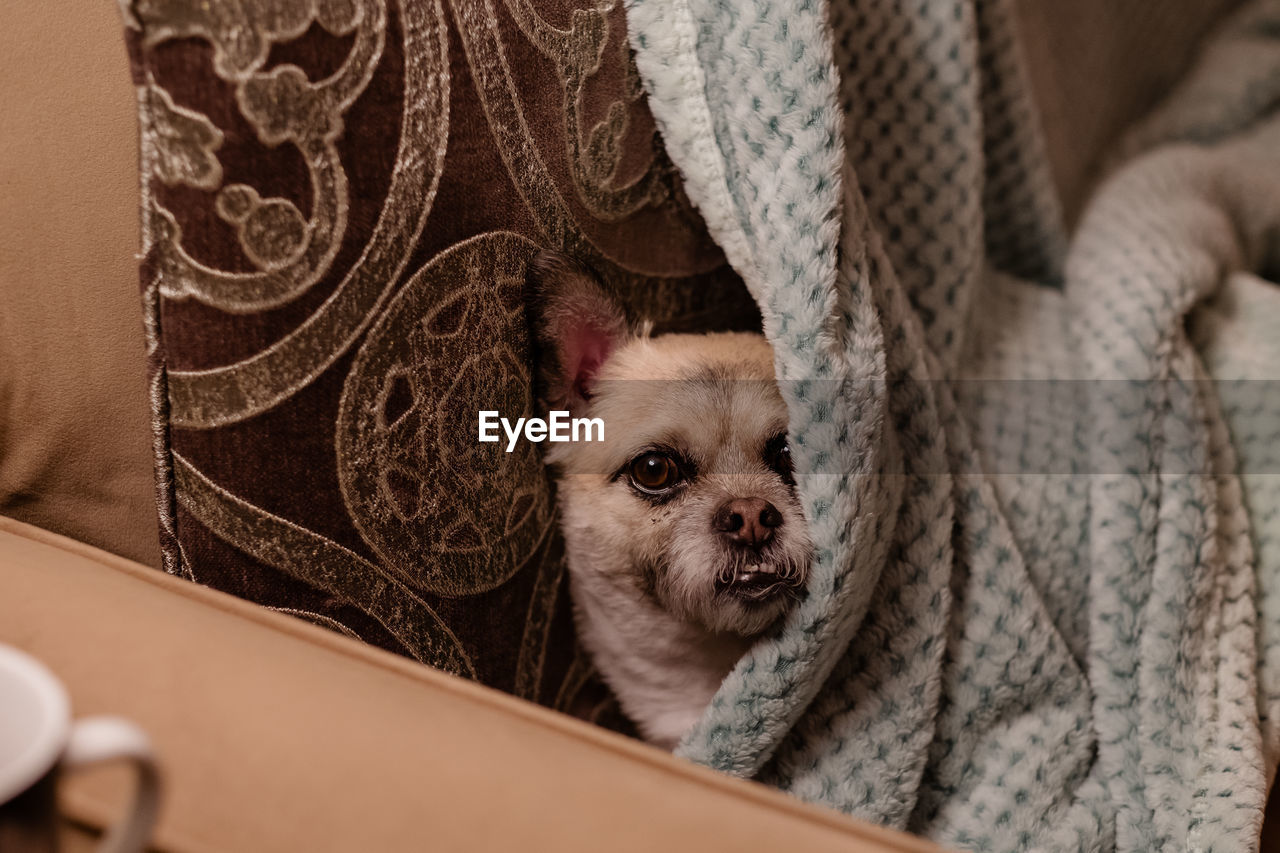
{"x":746,"y":616}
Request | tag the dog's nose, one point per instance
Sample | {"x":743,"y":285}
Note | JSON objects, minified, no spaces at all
{"x":750,"y":521}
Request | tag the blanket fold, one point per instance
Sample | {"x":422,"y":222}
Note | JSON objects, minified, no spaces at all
{"x":1043,"y":610}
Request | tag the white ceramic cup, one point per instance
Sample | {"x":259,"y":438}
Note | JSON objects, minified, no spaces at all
{"x":38,"y":740}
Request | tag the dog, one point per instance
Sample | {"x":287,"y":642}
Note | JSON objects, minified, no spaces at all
{"x":684,"y":537}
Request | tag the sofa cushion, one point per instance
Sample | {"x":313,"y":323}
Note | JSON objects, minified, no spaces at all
{"x":340,"y":199}
{"x":1096,"y":65}
{"x":75,"y":449}
{"x":275,"y":735}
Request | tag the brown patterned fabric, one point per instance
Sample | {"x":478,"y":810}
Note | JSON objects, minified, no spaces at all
{"x":339,"y":200}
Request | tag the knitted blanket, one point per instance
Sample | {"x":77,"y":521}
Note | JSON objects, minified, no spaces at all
{"x":1044,"y":612}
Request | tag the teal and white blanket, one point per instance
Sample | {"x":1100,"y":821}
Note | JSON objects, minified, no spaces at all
{"x":1042,"y":475}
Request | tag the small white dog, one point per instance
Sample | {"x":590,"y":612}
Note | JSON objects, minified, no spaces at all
{"x":684,"y":536}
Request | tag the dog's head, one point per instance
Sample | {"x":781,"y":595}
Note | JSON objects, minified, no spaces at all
{"x":689,"y":499}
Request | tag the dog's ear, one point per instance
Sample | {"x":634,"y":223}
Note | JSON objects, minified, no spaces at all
{"x":575,"y":325}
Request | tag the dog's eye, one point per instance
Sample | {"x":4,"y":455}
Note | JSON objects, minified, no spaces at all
{"x":654,"y":472}
{"x":777,"y":455}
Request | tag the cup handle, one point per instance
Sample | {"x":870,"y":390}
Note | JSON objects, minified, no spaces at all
{"x":98,"y":739}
